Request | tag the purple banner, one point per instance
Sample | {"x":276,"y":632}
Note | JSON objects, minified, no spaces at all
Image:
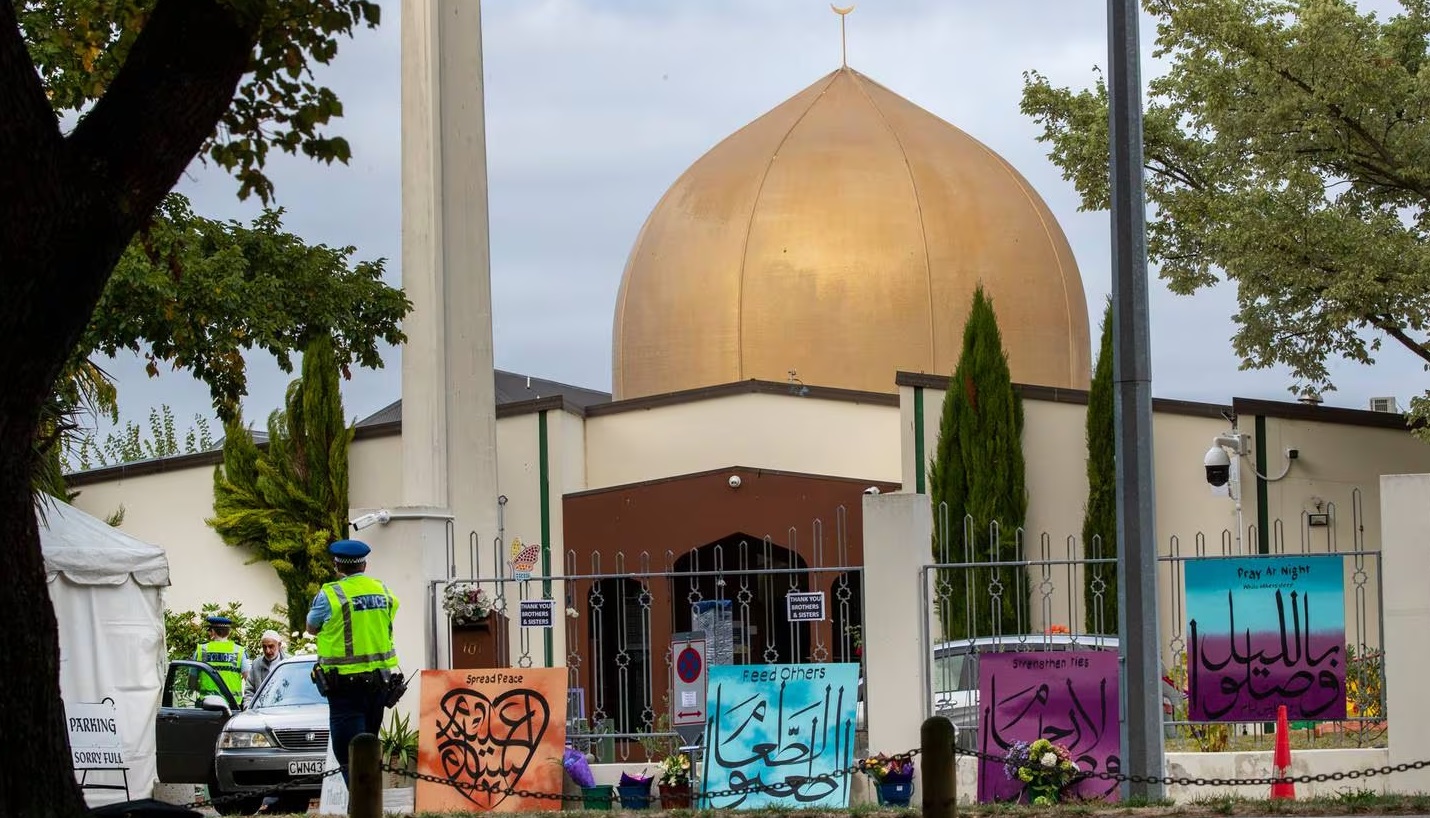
{"x":1066,"y":697}
{"x":1263,"y":632}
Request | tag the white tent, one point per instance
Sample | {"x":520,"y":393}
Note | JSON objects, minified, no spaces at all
{"x":106,"y":587}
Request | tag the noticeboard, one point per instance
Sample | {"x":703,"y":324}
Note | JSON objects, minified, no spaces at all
{"x":687,"y":691}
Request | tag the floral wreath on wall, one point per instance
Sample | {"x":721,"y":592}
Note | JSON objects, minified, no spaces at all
{"x":465,"y":603}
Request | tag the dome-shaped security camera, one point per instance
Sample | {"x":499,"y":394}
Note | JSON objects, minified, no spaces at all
{"x":1218,"y":465}
{"x":734,"y":481}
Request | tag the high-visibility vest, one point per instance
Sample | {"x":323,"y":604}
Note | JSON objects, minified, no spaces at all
{"x":358,"y":634}
{"x":226,"y":657}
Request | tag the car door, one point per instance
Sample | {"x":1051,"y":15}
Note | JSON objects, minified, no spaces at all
{"x":186,"y":731}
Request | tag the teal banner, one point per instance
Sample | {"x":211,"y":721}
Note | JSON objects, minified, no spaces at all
{"x":779,"y":736}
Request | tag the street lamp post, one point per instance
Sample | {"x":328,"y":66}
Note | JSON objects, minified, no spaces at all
{"x":1142,"y":747}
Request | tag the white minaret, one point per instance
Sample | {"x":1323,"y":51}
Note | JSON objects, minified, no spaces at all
{"x":449,"y":466}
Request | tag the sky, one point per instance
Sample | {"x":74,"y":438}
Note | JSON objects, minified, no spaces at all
{"x":594,"y":107}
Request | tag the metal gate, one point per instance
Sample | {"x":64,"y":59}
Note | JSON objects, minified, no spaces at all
{"x":621,"y":612}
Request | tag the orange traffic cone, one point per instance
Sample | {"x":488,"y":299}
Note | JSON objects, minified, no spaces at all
{"x":1281,"y":760}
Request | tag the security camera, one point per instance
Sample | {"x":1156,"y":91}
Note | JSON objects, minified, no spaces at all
{"x":872,"y":490}
{"x":371,"y":518}
{"x":734,"y":481}
{"x":1218,"y":465}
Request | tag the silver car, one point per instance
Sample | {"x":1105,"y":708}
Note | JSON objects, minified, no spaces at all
{"x":242,"y":755}
{"x":281,"y":735}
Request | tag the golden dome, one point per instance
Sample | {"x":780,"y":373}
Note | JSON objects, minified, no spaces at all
{"x":841,"y":235}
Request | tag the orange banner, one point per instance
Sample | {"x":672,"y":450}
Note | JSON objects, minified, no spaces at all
{"x":489,"y":731}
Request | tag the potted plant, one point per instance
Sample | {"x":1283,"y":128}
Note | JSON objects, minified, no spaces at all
{"x":466,"y":603}
{"x":673,"y":775}
{"x":398,"y":741}
{"x":893,"y":778}
{"x":634,"y":791}
{"x":1046,"y":770}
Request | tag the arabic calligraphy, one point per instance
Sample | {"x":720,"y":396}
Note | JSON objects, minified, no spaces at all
{"x":1263,"y":632}
{"x":489,"y":733}
{"x":779,"y":735}
{"x":1067,"y":697}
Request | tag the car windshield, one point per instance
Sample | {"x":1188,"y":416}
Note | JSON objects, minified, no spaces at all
{"x":289,"y":685}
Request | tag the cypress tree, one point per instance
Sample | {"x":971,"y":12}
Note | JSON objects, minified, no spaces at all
{"x":288,"y":502}
{"x":978,"y":474}
{"x":1099,"y":522}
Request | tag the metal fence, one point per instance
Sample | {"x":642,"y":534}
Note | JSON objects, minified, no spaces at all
{"x":1001,"y":590}
{"x":623,"y":606}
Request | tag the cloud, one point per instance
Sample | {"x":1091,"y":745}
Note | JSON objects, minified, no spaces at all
{"x":594,"y":107}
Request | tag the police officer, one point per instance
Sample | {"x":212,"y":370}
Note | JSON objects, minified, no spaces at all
{"x":352,"y":619}
{"x":223,"y":655}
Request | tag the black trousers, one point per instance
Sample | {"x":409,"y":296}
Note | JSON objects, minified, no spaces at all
{"x":355,"y":706}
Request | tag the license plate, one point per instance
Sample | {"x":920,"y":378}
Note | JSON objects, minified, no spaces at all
{"x":304,"y":767}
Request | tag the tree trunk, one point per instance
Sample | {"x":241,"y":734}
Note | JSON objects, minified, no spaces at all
{"x":36,"y":779}
{"x":69,"y":205}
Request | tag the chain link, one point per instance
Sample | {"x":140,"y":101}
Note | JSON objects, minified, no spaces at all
{"x":478,"y":786}
{"x":1318,"y":778}
{"x":234,"y":798}
{"x":519,"y":792}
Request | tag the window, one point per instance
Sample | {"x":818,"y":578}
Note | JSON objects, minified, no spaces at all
{"x":951,"y":671}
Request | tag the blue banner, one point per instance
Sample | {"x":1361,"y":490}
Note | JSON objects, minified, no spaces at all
{"x":1263,"y":632}
{"x":779,"y":736}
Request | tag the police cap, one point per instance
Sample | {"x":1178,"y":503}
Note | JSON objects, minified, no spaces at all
{"x":220,"y":621}
{"x":349,"y":552}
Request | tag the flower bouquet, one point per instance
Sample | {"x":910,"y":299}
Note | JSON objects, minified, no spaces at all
{"x":673,"y":775}
{"x":888,"y":769}
{"x":893,"y":778}
{"x":465,"y":603}
{"x":1046,"y":770}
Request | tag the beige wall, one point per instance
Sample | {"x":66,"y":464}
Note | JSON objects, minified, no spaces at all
{"x":1055,"y":451}
{"x":1336,"y":462}
{"x":168,"y":509}
{"x":829,"y":437}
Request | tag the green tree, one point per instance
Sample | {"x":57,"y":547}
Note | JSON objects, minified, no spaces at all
{"x":1285,"y":152}
{"x":158,"y":82}
{"x":198,"y":293}
{"x":1099,"y":519}
{"x":133,"y":444}
{"x":287,"y":502}
{"x":977,"y":482}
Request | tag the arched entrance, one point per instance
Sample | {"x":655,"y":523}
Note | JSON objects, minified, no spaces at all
{"x":734,"y":589}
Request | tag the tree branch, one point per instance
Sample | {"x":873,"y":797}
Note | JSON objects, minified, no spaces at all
{"x":62,"y":234}
{"x":1385,"y":325}
{"x":29,"y":124}
{"x":179,"y":78}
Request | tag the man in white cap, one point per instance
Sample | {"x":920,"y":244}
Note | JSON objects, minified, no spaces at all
{"x":273,"y":653}
{"x":352,"y":619}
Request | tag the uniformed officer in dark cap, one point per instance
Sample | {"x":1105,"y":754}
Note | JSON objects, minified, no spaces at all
{"x":223,"y":655}
{"x":352,"y":618}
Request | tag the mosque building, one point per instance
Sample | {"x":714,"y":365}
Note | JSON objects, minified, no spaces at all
{"x":784,"y":331}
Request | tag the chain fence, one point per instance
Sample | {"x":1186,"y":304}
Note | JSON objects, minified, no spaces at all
{"x":695,"y":796}
{"x":698,"y":796}
{"x":276,"y":789}
{"x":1186,"y":781}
